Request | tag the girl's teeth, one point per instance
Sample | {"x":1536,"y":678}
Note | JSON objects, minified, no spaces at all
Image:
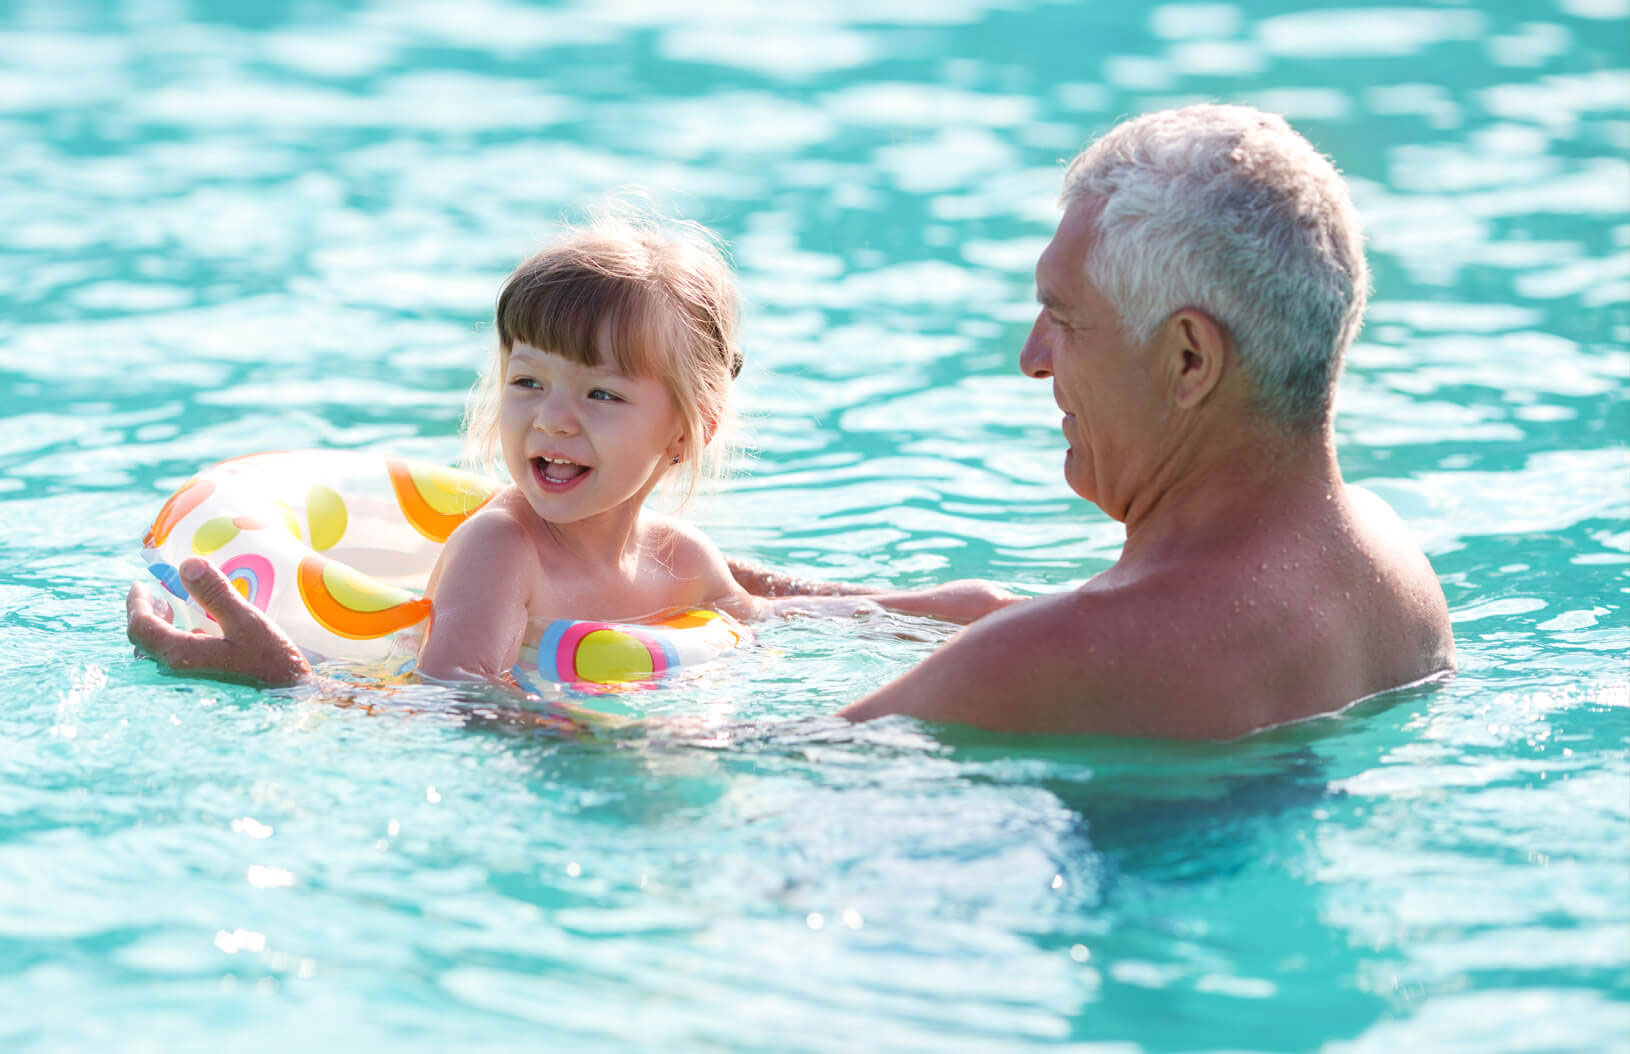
{"x":561,"y":471}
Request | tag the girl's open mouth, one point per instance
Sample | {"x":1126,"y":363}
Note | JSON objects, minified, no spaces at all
{"x":557,"y":473}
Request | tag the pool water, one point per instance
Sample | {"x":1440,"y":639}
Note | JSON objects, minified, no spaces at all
{"x":228,"y":227}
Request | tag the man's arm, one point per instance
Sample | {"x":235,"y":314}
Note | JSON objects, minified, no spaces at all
{"x":963,"y":600}
{"x":763,"y":581}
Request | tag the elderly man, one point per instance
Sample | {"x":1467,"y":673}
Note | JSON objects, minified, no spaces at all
{"x":1197,"y":300}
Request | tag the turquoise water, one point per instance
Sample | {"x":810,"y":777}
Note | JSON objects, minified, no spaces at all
{"x":231,"y":227}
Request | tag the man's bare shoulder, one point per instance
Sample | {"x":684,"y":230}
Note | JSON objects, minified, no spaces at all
{"x":1082,"y":662}
{"x":1384,"y":535}
{"x":1409,"y":614}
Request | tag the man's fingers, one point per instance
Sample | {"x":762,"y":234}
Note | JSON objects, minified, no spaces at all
{"x":140,"y":601}
{"x":250,"y":646}
{"x":147,"y":631}
{"x":215,"y":595}
{"x":143,"y":625}
{"x":161,"y":607}
{"x":137,"y":601}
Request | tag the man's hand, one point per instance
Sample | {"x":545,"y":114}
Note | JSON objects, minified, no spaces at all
{"x":762,"y":581}
{"x":964,"y":600}
{"x":249,"y":647}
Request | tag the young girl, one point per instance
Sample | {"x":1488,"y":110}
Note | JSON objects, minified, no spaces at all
{"x":615,"y":357}
{"x":616,"y":352}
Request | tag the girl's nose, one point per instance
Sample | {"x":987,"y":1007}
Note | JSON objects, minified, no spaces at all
{"x":556,"y":415}
{"x":1036,"y":360}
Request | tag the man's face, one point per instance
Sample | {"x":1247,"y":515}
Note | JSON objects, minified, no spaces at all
{"x":1104,"y":385}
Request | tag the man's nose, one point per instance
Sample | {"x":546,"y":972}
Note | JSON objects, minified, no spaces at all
{"x":1036,"y":359}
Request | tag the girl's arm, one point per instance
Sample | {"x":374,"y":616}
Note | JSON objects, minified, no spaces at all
{"x":480,"y":588}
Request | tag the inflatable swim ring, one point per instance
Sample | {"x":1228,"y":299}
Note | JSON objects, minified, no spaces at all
{"x":336,"y":546}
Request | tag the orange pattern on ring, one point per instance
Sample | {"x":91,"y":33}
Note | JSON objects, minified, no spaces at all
{"x":688,"y":619}
{"x":344,"y":621}
{"x":435,"y":525}
{"x":191,"y":494}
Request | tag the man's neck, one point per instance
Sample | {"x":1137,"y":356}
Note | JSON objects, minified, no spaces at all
{"x":1228,"y":478}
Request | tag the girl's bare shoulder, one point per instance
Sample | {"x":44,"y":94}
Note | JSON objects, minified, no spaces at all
{"x":496,"y":538}
{"x":690,"y":559}
{"x":675,"y":541}
{"x":504,"y":514}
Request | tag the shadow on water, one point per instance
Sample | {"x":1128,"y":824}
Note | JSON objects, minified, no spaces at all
{"x":1199,"y":878}
{"x":1152,"y":804}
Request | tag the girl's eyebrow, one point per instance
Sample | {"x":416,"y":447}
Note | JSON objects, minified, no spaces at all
{"x":524,"y":361}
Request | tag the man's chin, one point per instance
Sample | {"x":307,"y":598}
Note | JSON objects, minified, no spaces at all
{"x":1073,"y":476}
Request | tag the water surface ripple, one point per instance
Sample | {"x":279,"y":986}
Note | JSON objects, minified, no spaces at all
{"x":229,"y":227}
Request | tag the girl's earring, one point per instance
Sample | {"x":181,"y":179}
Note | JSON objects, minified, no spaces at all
{"x":676,"y":459}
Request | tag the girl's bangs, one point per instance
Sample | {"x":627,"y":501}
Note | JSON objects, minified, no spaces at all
{"x":582,"y":318}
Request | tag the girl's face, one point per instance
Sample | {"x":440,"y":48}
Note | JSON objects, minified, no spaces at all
{"x":583,"y":440}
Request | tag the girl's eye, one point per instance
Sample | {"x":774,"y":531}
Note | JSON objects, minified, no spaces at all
{"x":603,"y":395}
{"x":523,"y":382}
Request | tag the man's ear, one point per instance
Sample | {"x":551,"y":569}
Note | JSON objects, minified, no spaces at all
{"x":1196,"y":353}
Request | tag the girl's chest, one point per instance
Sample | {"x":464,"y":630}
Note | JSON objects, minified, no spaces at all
{"x":632,"y":592}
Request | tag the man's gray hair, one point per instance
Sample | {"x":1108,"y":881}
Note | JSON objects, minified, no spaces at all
{"x":1228,"y":210}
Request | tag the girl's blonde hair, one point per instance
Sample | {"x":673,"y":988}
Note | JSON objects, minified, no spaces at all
{"x":655,"y":297}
